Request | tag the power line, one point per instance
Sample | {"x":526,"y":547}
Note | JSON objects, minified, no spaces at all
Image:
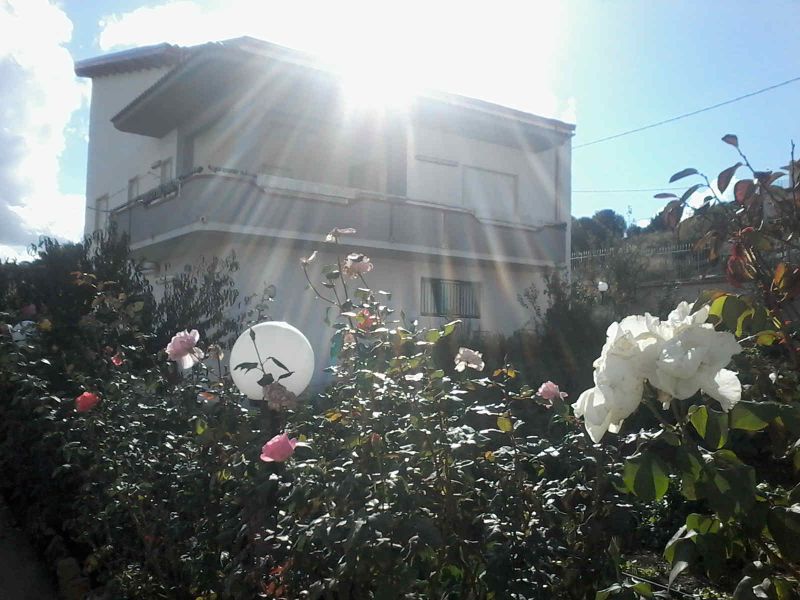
{"x":689,"y":114}
{"x":623,"y":191}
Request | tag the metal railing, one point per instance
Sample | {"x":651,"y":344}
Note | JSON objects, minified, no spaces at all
{"x":677,"y":261}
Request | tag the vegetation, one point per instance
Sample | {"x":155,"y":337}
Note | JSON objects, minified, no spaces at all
{"x":426,"y":469}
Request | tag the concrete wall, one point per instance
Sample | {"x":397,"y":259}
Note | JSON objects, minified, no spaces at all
{"x":114,"y":156}
{"x":344,"y":154}
{"x":494,"y":180}
{"x":266,"y":262}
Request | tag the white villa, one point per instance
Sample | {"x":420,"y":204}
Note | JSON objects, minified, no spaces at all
{"x":247,"y":146}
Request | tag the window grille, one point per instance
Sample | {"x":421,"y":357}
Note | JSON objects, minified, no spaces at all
{"x":450,"y":298}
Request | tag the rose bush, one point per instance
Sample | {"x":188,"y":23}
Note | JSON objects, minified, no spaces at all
{"x":401,"y":479}
{"x":739,"y":464}
{"x":411,"y":475}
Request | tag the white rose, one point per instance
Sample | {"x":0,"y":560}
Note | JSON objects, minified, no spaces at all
{"x":616,"y":395}
{"x":695,"y":360}
{"x":679,"y":356}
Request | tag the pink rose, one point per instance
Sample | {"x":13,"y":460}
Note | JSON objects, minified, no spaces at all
{"x":182,"y":349}
{"x":86,"y":401}
{"x":549,"y":391}
{"x":278,"y":449}
{"x":117,"y":359}
{"x":356,"y":265}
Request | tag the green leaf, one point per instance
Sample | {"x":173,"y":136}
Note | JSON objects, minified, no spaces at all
{"x":727,"y":483}
{"x":432,"y":335}
{"x":702,"y":524}
{"x":752,"y":416}
{"x":683,"y":554}
{"x":712,"y":425}
{"x":450,"y":327}
{"x":784,"y":526}
{"x":505,"y":424}
{"x":646,"y":476}
{"x":682,"y":174}
{"x":279,"y":363}
{"x":200,"y":426}
{"x":246,"y":366}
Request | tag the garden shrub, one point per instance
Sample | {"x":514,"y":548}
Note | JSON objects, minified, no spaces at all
{"x":422,"y":471}
{"x":734,"y":449}
{"x":408,"y":482}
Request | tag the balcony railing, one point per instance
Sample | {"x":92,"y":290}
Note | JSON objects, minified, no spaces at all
{"x":236,"y":202}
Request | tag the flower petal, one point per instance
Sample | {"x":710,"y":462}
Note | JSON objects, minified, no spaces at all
{"x":725,"y":388}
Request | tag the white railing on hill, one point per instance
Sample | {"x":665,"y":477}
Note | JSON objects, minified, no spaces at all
{"x":677,"y":261}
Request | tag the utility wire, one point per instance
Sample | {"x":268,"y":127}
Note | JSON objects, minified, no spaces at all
{"x":621,"y":191}
{"x":685,"y":115}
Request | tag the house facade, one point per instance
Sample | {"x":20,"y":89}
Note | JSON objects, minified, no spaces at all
{"x":249,"y":147}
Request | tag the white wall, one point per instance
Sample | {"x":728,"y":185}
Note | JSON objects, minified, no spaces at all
{"x":115,"y":156}
{"x":442,"y":165}
{"x":266,"y":262}
{"x":323,"y":153}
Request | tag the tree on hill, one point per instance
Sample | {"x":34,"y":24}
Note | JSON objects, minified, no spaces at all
{"x":603,"y":229}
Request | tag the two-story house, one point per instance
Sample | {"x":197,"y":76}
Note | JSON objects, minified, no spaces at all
{"x":247,"y":146}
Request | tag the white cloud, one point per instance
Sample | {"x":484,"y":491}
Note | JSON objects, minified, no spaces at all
{"x":500,"y":55}
{"x":37,"y":99}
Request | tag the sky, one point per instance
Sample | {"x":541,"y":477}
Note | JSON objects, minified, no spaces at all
{"x":608,"y":66}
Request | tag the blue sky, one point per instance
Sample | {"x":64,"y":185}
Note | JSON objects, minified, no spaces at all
{"x":610,"y":65}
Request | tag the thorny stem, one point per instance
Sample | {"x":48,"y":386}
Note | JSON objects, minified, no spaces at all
{"x":313,"y":287}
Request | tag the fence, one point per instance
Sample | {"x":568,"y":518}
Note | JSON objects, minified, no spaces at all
{"x":677,"y":262}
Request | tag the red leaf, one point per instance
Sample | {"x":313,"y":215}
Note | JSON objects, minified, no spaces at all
{"x":671,"y":215}
{"x":743,"y":190}
{"x":682,"y":174}
{"x":724,"y":178}
{"x":774,"y":177}
{"x":731,"y":139}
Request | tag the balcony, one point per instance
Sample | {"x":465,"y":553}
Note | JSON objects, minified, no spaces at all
{"x":235,"y":203}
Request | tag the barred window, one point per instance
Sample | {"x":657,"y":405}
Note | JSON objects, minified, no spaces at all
{"x":450,"y":298}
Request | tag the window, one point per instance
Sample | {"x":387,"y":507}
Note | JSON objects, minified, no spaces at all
{"x":364,"y":176}
{"x":490,"y":194}
{"x":133,"y":188}
{"x":450,"y":298}
{"x":101,"y":212}
{"x":166,"y":170}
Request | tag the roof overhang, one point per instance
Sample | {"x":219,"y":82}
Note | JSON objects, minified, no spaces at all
{"x":136,"y":59}
{"x":215,"y":75}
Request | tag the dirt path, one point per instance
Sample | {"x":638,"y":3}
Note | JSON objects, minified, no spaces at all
{"x":22,"y":576}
